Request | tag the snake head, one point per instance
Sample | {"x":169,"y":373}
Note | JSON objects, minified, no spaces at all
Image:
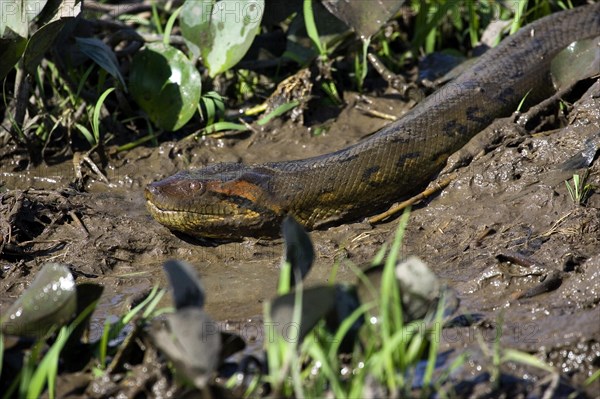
{"x":224,"y":201}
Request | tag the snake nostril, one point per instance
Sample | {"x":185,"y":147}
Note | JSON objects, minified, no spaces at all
{"x":151,"y":190}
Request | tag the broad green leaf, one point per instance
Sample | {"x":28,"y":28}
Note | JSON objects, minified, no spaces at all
{"x":365,"y":17}
{"x":10,"y":52}
{"x":40,"y":42}
{"x":17,"y":14}
{"x":58,"y":9}
{"x":578,"y":61}
{"x":102,"y":55}
{"x":165,"y":84}
{"x":220,"y":31}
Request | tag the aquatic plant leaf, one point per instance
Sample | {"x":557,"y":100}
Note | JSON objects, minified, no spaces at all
{"x":365,"y":17}
{"x":17,"y":14}
{"x":11,"y":50}
{"x":15,"y":19}
{"x":102,"y":55}
{"x":50,"y":300}
{"x":185,"y":284}
{"x":192,"y":341}
{"x":580,"y":60}
{"x":40,"y":42}
{"x":220,"y":31}
{"x":165,"y":84}
{"x":299,"y":251}
{"x":317,"y":302}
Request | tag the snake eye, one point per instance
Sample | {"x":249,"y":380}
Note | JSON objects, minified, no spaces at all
{"x":195,"y":185}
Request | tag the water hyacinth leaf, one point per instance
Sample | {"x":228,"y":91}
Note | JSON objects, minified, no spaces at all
{"x":186,"y":286}
{"x":50,"y":300}
{"x":165,"y":84}
{"x":220,"y":31}
{"x":57,"y":9}
{"x":580,"y":60}
{"x":365,"y":17}
{"x":17,"y":14}
{"x":192,"y":341}
{"x":317,"y":302}
{"x":299,"y":251}
{"x":102,"y":55}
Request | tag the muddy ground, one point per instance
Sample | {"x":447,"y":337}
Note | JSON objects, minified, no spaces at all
{"x":511,"y":202}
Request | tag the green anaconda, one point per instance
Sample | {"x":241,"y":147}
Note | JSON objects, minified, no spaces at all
{"x":233,"y":200}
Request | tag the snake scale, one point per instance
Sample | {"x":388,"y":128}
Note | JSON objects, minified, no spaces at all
{"x":234,"y":200}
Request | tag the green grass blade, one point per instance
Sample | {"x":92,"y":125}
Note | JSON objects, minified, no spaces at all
{"x":223,"y":126}
{"x":390,"y":299}
{"x":434,"y":341}
{"x":345,"y":326}
{"x":47,"y":370}
{"x":131,"y":314}
{"x":522,"y":102}
{"x":151,"y":308}
{"x":103,"y":345}
{"x":285,"y":278}
{"x":380,"y":256}
{"x":311,"y":27}
{"x":86,"y":133}
{"x":525,"y":358}
{"x":327,"y":366}
{"x":84,"y":79}
{"x":571,"y":192}
{"x":576,"y":187}
{"x":519,"y":14}
{"x":156,"y":18}
{"x":169,"y":26}
{"x":473,"y":23}
{"x":282,"y":109}
{"x":592,"y":378}
{"x":133,"y":144}
{"x":96,"y":114}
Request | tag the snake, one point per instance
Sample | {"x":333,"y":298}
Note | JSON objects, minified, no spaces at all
{"x":234,"y":200}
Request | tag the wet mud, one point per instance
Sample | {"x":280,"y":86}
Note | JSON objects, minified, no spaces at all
{"x":505,"y":234}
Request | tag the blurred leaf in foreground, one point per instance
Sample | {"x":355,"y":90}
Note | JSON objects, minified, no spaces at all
{"x":50,"y":300}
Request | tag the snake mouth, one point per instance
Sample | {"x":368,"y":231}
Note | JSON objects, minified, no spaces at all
{"x":227,"y":223}
{"x":161,"y":213}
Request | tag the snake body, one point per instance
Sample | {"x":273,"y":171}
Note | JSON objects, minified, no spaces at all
{"x":233,"y":200}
